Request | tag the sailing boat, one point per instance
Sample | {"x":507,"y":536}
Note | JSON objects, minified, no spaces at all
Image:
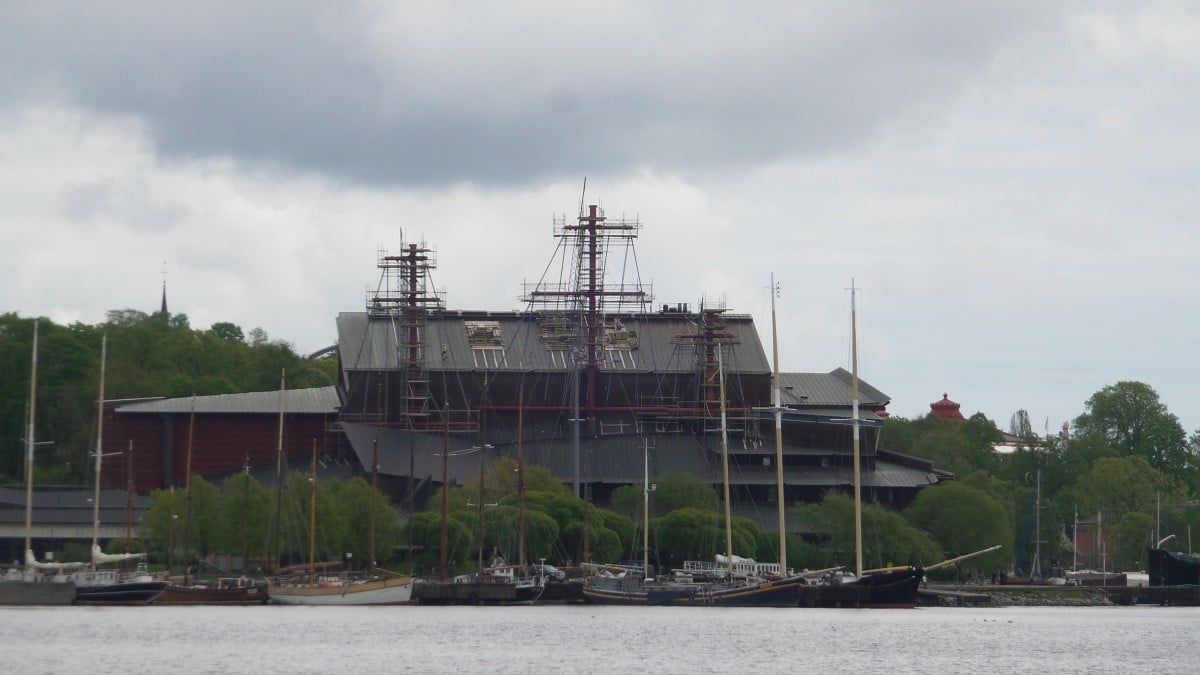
{"x":499,"y":583}
{"x":377,"y":586}
{"x":221,"y":591}
{"x":883,"y":587}
{"x":731,"y":581}
{"x":110,"y":586}
{"x":38,"y":583}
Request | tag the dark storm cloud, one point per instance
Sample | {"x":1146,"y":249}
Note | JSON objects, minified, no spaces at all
{"x":428,"y":94}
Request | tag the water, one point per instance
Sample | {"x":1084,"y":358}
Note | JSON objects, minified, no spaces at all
{"x":588,"y":639}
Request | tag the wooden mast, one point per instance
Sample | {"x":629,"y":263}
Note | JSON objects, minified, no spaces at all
{"x":312,"y":517}
{"x":187,"y":493}
{"x":445,"y":485}
{"x":645,"y":508}
{"x":375,"y":475}
{"x":520,"y":475}
{"x":29,"y":454}
{"x":279,"y":466}
{"x":725,"y":467}
{"x":99,"y":450}
{"x":778,"y":399}
{"x":858,"y":564}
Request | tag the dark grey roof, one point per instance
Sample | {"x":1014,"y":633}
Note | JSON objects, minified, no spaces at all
{"x":826,"y":389}
{"x":67,"y":504}
{"x":372,"y":344}
{"x":317,"y":400}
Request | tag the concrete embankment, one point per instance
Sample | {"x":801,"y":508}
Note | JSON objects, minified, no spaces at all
{"x":962,"y":595}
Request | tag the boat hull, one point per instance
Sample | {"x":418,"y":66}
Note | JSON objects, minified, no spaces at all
{"x":881,"y":590}
{"x":475,"y":593}
{"x":130,"y":593}
{"x":36,"y":593}
{"x":176,"y":594}
{"x":394,"y":591}
{"x":781,"y":593}
{"x":1173,"y":568}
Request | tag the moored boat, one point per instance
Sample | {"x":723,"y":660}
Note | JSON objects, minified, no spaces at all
{"x":36,"y":584}
{"x":1173,"y":568}
{"x":222,"y":591}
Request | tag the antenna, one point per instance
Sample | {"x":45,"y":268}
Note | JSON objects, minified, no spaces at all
{"x":582,"y":196}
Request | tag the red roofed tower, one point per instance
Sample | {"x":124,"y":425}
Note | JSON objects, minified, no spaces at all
{"x":946,"y":409}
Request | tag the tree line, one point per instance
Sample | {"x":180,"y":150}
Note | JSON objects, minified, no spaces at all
{"x":148,"y":355}
{"x":1124,"y":469}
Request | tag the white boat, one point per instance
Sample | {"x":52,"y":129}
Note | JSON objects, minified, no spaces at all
{"x":38,"y":583}
{"x":94,"y":585}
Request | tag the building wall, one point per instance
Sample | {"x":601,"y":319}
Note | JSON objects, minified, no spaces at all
{"x":220,"y":444}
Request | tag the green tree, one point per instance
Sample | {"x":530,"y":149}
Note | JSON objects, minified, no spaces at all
{"x":1121,"y":485}
{"x":244,"y":516}
{"x":355,"y":497}
{"x":1129,"y":418}
{"x":963,"y":519}
{"x":887,"y":537}
{"x":228,"y":331}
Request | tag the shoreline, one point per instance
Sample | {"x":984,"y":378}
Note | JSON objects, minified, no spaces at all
{"x":971,"y":595}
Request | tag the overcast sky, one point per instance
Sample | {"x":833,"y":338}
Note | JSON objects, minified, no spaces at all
{"x":1012,"y":185}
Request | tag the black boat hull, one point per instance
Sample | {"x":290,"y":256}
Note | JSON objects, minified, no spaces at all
{"x":133,"y":593}
{"x":1173,"y":568}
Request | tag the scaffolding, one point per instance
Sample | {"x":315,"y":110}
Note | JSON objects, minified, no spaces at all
{"x":405,"y":298}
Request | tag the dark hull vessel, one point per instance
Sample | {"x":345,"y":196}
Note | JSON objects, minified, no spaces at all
{"x":881,"y":590}
{"x":20,"y":592}
{"x":243,"y":594}
{"x":781,"y":593}
{"x":127,"y":593}
{"x":476,"y":593}
{"x":1169,"y":568}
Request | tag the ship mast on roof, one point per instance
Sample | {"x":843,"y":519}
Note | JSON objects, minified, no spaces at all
{"x":405,"y":296}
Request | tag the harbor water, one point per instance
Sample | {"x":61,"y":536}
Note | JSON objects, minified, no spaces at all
{"x":591,"y":639}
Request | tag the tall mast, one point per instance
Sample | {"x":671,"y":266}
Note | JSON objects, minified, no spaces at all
{"x":445,"y":484}
{"x":129,"y":500}
{"x":279,"y":465}
{"x":312,"y":517}
{"x":520,"y":474}
{"x":778,"y":401}
{"x":858,"y":564}
{"x":375,"y":474}
{"x":725,"y":466}
{"x":187,"y":491}
{"x":645,"y":507}
{"x":99,"y":447}
{"x":29,"y":450}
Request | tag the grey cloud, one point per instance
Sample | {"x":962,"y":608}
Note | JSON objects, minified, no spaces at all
{"x":416,"y":94}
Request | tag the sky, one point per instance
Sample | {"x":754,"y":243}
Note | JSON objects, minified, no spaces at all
{"x":1011,"y":185}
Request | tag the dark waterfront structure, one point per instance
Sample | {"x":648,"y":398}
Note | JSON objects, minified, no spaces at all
{"x":589,"y":373}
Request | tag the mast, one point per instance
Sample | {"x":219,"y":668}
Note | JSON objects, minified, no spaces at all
{"x":445,"y":484}
{"x":312,"y":517}
{"x":646,"y":507}
{"x":129,"y":500}
{"x":520,"y":475}
{"x":858,"y":564}
{"x":279,"y":465}
{"x":246,"y":515}
{"x":29,"y":453}
{"x":725,"y":466}
{"x":375,"y":476}
{"x":778,"y":400}
{"x":99,"y":448}
{"x":187,"y":492}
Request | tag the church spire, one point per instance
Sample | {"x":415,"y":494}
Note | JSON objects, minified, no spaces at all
{"x":163,"y":310}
